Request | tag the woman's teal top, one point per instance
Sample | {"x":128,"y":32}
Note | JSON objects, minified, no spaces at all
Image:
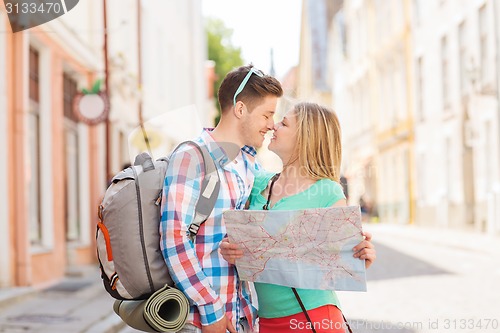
{"x":278,"y":301}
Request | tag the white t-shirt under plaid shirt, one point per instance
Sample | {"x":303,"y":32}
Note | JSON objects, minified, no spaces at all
{"x":198,"y":269}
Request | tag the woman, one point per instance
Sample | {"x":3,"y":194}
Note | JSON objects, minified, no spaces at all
{"x":308,"y":141}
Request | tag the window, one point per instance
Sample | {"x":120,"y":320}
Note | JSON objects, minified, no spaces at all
{"x":70,"y":90}
{"x":72,"y":161}
{"x":34,"y":80}
{"x":422,"y":178}
{"x":416,"y":12}
{"x":34,"y":181}
{"x":445,"y":72}
{"x":488,"y":157}
{"x":391,"y":94}
{"x":483,"y":43}
{"x":383,"y":102}
{"x":462,"y":57}
{"x":381,"y":7}
{"x":420,"y":89}
{"x":448,"y":168}
{"x":402,"y":93}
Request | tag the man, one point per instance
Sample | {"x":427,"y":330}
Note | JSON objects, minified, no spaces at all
{"x":219,"y":300}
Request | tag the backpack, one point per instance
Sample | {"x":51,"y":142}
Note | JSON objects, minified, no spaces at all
{"x":128,"y":239}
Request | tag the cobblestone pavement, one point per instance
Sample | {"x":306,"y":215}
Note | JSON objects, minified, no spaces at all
{"x":76,"y":304}
{"x":424,"y":281}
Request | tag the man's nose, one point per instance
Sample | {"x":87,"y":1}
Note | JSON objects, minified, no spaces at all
{"x":270,"y":124}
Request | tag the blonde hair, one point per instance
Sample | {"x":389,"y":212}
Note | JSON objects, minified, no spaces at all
{"x":319,"y":145}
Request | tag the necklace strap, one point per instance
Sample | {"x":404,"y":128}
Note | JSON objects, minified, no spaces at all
{"x":273,"y":180}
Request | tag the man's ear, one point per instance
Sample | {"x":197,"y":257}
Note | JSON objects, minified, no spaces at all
{"x":238,"y":109}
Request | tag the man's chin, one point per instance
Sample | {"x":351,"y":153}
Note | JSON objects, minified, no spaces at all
{"x":258,"y":145}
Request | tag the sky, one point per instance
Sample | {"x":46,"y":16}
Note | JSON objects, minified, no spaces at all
{"x":258,"y":26}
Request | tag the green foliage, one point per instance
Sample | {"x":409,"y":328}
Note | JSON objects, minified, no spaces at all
{"x":221,"y":50}
{"x":96,"y":88}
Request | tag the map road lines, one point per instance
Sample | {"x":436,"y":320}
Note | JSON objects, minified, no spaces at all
{"x":309,"y":248}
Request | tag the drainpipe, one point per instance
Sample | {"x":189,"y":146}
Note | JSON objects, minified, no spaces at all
{"x":106,"y":86}
{"x":139,"y":76}
{"x":497,"y":67}
{"x":496,"y":189}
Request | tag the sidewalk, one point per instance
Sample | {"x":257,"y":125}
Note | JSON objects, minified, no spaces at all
{"x":421,"y":274}
{"x":77,"y":304}
{"x":428,"y":280}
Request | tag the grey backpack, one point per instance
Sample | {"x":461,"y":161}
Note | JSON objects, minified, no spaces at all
{"x":128,"y":239}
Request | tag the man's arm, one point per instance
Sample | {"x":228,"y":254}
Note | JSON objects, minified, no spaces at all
{"x":180,"y":194}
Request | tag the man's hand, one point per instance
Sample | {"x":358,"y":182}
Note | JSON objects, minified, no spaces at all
{"x":230,"y":251}
{"x":219,"y":327}
{"x":365,"y":250}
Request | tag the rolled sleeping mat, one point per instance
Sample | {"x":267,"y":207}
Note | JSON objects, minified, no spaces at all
{"x":165,"y":311}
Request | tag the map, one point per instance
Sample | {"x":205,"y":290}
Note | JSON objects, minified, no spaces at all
{"x":309,"y":249}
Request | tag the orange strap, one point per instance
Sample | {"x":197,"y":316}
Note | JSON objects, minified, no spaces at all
{"x":105,"y":233}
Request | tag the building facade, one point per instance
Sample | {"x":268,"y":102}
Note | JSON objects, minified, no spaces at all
{"x":416,"y":86}
{"x":5,"y":229}
{"x":50,"y":156}
{"x":372,"y":92}
{"x":54,"y":166}
{"x":457,"y":134}
{"x":313,"y":79}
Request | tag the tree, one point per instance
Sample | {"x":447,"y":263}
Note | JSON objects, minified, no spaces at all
{"x":221,"y":50}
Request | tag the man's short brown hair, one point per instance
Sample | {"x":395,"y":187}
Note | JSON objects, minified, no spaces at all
{"x":255,"y":89}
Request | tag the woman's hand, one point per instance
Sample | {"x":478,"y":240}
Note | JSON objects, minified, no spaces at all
{"x":365,"y":250}
{"x":230,"y":251}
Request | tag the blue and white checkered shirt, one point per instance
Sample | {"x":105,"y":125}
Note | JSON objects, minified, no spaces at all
{"x":198,"y":269}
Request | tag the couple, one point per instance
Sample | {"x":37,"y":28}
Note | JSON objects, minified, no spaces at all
{"x":308,"y":142}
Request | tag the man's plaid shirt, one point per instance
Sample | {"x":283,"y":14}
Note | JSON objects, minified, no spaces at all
{"x":198,"y":269}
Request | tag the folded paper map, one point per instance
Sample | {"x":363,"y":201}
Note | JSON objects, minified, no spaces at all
{"x":309,"y":249}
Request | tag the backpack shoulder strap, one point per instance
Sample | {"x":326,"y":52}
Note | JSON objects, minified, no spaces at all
{"x":209,"y":191}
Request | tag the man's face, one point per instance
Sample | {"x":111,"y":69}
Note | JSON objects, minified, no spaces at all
{"x":257,"y":122}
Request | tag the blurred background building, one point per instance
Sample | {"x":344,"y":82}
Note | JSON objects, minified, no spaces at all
{"x":54,"y":167}
{"x":415,"y":84}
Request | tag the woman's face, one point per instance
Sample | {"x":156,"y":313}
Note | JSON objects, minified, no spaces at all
{"x":284,"y":140}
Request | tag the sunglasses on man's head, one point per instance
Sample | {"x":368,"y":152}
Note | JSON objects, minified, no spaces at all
{"x":245,"y":80}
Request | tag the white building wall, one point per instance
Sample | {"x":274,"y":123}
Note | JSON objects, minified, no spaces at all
{"x":4,"y":197}
{"x":46,"y":149}
{"x":353,"y":97}
{"x":173,"y":74}
{"x":174,"y":57}
{"x":442,"y":136}
{"x":80,"y":33}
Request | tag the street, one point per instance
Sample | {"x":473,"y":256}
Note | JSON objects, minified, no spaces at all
{"x":442,"y":281}
{"x":424,"y":280}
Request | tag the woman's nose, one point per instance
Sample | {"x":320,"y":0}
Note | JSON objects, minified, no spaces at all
{"x":276,"y":126}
